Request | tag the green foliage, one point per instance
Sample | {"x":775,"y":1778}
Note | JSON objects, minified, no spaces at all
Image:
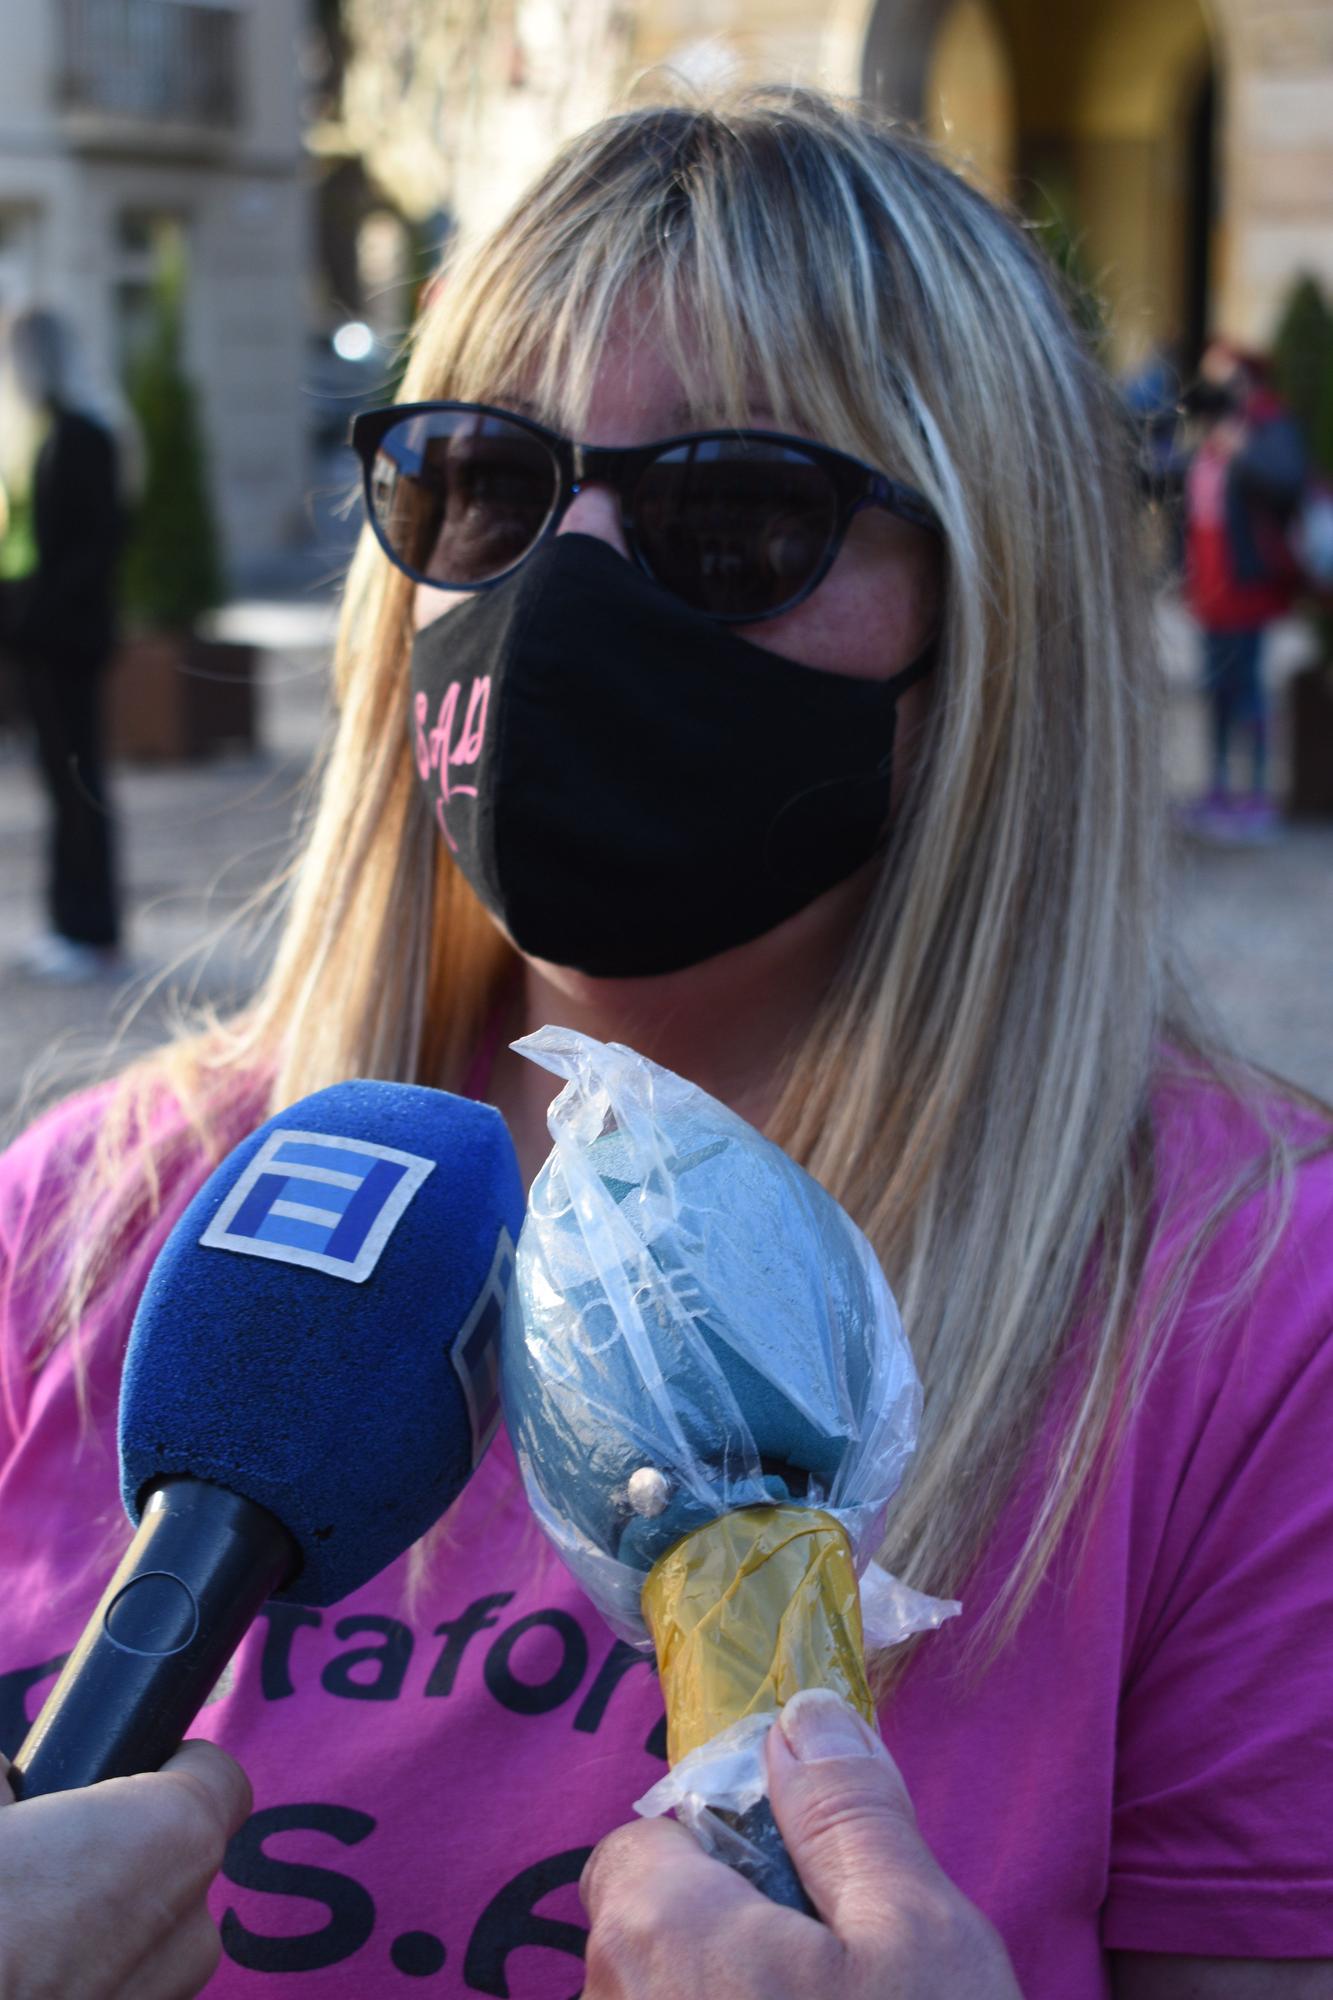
{"x":1050,"y":212}
{"x":172,"y":570}
{"x":18,"y":528}
{"x":1303,"y":366}
{"x":1303,"y":373}
{"x":18,"y":543}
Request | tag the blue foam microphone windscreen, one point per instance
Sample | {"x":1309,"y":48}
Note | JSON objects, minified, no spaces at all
{"x":319,"y":1333}
{"x":312,"y":1374}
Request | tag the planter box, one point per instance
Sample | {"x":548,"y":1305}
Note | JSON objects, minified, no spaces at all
{"x":13,"y":708}
{"x":1311,"y":717}
{"x":173,"y":697}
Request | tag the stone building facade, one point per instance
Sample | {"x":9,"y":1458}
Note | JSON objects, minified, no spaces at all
{"x":1192,"y":140}
{"x":129,"y":125}
{"x":1196,"y":137}
{"x":1186,"y":144}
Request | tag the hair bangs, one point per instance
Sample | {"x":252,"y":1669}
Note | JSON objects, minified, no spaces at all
{"x":706,"y":233}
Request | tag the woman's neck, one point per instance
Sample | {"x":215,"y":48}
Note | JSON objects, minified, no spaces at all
{"x":729,"y":1025}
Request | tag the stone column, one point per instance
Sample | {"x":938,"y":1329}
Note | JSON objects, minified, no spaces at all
{"x":1277,"y":157}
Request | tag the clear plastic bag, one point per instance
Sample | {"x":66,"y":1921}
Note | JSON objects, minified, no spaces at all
{"x":697,"y":1328}
{"x":715,"y":1788}
{"x":690,"y":1303}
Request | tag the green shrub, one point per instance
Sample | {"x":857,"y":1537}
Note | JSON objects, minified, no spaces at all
{"x":18,"y":543}
{"x":1303,"y":373}
{"x":172,"y":570}
{"x":1303,"y":366}
{"x":1050,"y":213}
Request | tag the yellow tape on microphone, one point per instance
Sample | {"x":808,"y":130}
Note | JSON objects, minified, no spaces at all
{"x":747,"y":1610}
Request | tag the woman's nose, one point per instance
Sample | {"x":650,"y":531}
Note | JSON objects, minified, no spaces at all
{"x":595,"y":511}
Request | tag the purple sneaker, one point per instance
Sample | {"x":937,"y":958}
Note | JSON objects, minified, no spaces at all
{"x":1214,"y":818}
{"x":1257,"y":820}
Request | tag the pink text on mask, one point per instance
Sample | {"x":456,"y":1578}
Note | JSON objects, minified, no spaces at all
{"x":437,"y":752}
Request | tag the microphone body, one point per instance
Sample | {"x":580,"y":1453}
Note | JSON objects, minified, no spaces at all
{"x":191,"y":1583}
{"x":712,"y":1403}
{"x":312,"y":1375}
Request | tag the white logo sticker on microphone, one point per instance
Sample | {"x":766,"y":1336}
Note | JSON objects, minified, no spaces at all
{"x":312,"y":1199}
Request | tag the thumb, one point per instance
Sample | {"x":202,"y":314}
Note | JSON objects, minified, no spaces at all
{"x":215,"y":1780}
{"x":844,"y":1813}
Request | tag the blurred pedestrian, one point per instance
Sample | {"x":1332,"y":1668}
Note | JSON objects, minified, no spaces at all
{"x":1242,"y":489}
{"x":58,"y":623}
{"x":1151,"y":394}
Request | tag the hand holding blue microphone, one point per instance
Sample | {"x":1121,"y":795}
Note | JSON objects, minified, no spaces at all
{"x":102,"y":1890}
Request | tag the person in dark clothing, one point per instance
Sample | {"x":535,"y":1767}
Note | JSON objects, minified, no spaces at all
{"x":59,"y":624}
{"x":1240,"y":576}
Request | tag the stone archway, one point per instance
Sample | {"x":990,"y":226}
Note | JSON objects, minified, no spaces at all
{"x":896,"y":47}
{"x":1098,"y":114}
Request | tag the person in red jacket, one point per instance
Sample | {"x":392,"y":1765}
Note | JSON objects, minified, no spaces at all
{"x":1242,"y":486}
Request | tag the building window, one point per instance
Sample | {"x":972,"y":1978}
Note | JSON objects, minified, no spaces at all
{"x":18,"y":259}
{"x":177,"y":60}
{"x":150,"y":251}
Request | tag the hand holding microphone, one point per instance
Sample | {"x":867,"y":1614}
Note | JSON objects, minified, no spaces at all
{"x":670,"y":1922}
{"x":102,"y":1891}
{"x":312,"y":1375}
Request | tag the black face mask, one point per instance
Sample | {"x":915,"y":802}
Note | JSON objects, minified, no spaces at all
{"x":628,"y":786}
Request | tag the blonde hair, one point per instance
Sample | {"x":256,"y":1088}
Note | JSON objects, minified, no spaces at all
{"x":976,"y":1090}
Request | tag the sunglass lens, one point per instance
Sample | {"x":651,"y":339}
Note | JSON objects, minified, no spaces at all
{"x":460,"y":496}
{"x":734,"y":526}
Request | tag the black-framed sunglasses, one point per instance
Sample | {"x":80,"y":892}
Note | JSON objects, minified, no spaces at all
{"x":741,"y":524}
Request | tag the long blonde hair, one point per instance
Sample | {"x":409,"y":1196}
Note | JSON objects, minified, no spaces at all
{"x":976,"y":1091}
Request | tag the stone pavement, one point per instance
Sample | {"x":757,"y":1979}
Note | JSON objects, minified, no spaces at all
{"x":197,"y":841}
{"x":1256,"y":925}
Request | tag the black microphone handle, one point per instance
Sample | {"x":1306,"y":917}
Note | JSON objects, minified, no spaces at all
{"x":201,"y":1564}
{"x":766,"y":1861}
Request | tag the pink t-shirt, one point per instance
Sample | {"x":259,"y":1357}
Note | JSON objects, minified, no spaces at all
{"x":1149,"y":1767}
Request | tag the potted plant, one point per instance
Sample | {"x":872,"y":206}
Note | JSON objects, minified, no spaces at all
{"x":175,"y":692}
{"x":18,"y":557}
{"x":1303,"y":368}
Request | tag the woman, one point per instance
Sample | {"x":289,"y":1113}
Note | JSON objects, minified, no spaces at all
{"x":919,"y":614}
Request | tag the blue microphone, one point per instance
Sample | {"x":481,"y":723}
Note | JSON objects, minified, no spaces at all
{"x":312,"y":1375}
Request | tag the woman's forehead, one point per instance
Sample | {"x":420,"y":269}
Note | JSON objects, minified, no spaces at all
{"x":656,"y":357}
{"x":632,"y":376}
